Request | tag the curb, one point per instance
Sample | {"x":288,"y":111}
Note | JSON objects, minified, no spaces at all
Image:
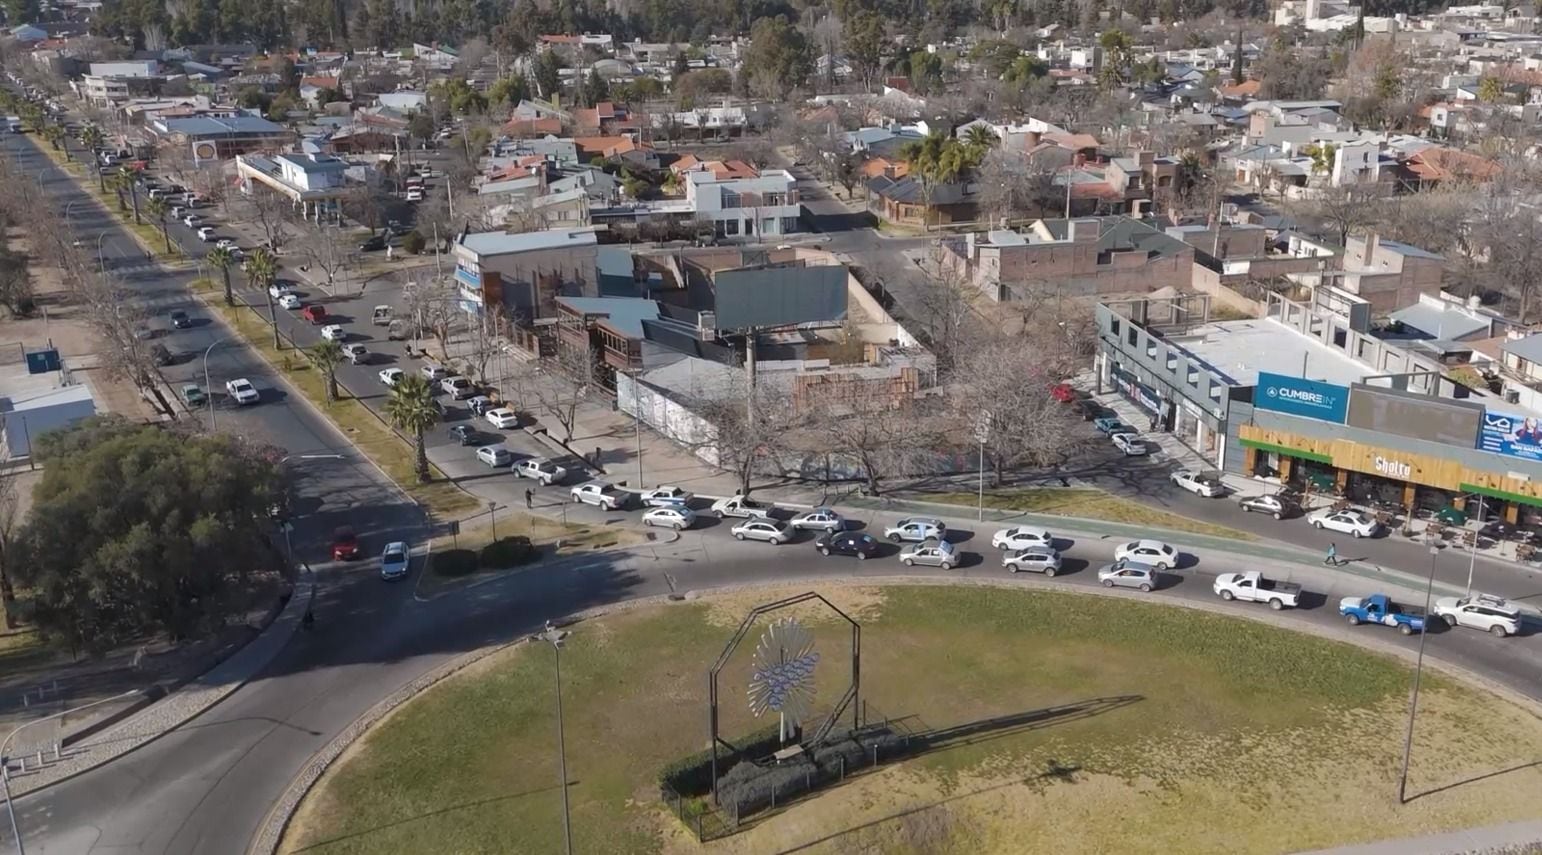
{"x":276,"y":823}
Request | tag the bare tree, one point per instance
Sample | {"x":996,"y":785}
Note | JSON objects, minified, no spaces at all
{"x":1002,"y":394}
{"x":274,"y":214}
{"x":749,"y":429}
{"x":430,"y":309}
{"x":327,"y":249}
{"x":943,"y":308}
{"x":125,"y":331}
{"x":10,"y":518}
{"x":558,"y":385}
{"x":1506,"y":237}
{"x":1347,"y":209}
{"x":885,"y":436}
{"x":1019,"y":184}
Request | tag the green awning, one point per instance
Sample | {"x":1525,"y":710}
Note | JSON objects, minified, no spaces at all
{"x":1287,"y":451}
{"x":1501,"y":494}
{"x":1451,"y":516}
{"x":1323,"y":482}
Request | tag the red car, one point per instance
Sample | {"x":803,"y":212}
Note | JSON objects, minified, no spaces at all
{"x":1065,"y":393}
{"x":345,"y":545}
{"x":314,"y":313}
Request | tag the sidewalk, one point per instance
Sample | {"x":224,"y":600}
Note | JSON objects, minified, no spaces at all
{"x":1511,"y":837}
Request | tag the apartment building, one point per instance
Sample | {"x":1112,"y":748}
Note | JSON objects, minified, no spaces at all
{"x":766,"y":204}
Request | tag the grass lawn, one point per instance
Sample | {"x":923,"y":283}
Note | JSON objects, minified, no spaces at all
{"x":1229,"y":736}
{"x":1089,"y":503}
{"x":363,"y":429}
{"x":551,"y":537}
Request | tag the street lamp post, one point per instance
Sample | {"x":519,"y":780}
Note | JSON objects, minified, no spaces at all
{"x":555,"y":638}
{"x":209,"y":389}
{"x":101,"y":263}
{"x":1413,"y":701}
{"x":5,"y":760}
{"x":1472,"y":552}
{"x":637,"y":425}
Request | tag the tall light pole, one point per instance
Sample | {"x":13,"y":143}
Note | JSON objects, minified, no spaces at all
{"x":209,"y":389}
{"x":637,"y":424}
{"x":1472,"y":553}
{"x":101,"y":263}
{"x":555,"y":638}
{"x":1413,"y":701}
{"x":982,"y":432}
{"x":5,"y":760}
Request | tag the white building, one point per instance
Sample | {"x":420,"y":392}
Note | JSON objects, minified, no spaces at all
{"x":766,"y":204}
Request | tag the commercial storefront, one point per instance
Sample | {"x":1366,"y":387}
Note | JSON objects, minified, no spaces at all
{"x":1370,"y":473}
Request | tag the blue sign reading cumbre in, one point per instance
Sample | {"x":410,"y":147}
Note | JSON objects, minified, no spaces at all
{"x":1297,"y":396}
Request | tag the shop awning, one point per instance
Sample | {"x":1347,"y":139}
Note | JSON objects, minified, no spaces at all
{"x":1451,"y":516}
{"x":1501,"y":494}
{"x":1287,"y":451}
{"x":1320,"y":481}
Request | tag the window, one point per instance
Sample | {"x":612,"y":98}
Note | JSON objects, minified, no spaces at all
{"x":1113,"y":326}
{"x":1132,"y":336}
{"x":730,"y":227}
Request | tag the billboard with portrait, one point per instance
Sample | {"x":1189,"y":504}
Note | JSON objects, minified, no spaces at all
{"x":1511,"y":434}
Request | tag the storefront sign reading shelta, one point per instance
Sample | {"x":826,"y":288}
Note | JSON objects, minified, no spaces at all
{"x":1506,"y":433}
{"x":1297,"y":396}
{"x":1393,"y":468}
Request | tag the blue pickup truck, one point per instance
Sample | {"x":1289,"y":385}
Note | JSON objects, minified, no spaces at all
{"x":1379,"y":608}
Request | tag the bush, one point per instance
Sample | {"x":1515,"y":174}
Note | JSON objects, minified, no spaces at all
{"x":749,"y":788}
{"x":692,"y":775}
{"x":455,"y":562}
{"x":414,"y":243}
{"x":508,"y":552}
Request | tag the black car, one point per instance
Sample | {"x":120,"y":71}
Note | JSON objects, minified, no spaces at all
{"x":858,"y":543}
{"x":374,"y":244}
{"x":161,"y":355}
{"x":1091,"y":409}
{"x":180,"y":320}
{"x":464,"y":434}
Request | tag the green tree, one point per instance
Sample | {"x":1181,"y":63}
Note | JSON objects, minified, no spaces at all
{"x":778,"y":59}
{"x":925,"y":70}
{"x":1024,"y":70}
{"x":421,"y":126}
{"x":548,"y":74}
{"x":93,"y":139}
{"x":158,"y":209}
{"x":222,"y":259}
{"x":981,"y":139}
{"x":130,"y":181}
{"x":865,"y":43}
{"x":939,"y":159}
{"x":414,"y":242}
{"x":410,"y":408}
{"x":509,"y":90}
{"x":1116,"y":58}
{"x":142,"y":530}
{"x":1491,"y":90}
{"x":326,"y":355}
{"x":262,"y":270}
{"x":18,"y":12}
{"x":596,"y":89}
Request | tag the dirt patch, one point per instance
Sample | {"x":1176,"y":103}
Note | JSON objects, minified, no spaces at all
{"x":729,"y":610}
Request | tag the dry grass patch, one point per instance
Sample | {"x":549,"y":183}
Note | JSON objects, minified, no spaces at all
{"x":550,"y":537}
{"x":1089,"y":503}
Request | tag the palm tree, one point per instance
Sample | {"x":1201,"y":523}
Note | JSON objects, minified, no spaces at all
{"x":326,"y":356}
{"x":93,"y":139}
{"x":981,"y":139}
{"x":411,"y":409}
{"x":221,"y":259}
{"x":53,"y":133}
{"x":158,"y":209}
{"x":119,"y":186}
{"x":262,"y":269}
{"x":129,"y":179}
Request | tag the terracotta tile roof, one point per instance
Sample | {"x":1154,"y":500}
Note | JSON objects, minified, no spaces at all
{"x":1245,"y":89}
{"x":325,"y":81}
{"x":608,"y":146}
{"x":532,"y":127}
{"x":1442,"y":164}
{"x":1073,"y":142}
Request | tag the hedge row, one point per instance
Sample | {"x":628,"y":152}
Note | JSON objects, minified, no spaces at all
{"x":749,"y":788}
{"x":692,"y":775}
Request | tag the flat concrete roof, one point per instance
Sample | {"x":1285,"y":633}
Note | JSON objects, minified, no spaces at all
{"x":1241,"y":349}
{"x":503,"y":243}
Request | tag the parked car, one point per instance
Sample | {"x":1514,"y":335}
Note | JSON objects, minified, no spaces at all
{"x":858,"y":543}
{"x":1493,"y":615}
{"x":192,"y":395}
{"x":464,"y":435}
{"x":356,"y":354}
{"x":315,"y":313}
{"x":333,"y":332}
{"x":761,"y":528}
{"x":601,"y":494}
{"x":479,"y":404}
{"x":916,"y":530}
{"x":1254,"y":587}
{"x":495,"y":455}
{"x":1275,"y":506}
{"x":540,"y":469}
{"x":161,"y":355}
{"x":1379,"y":608}
{"x":242,"y":391}
{"x":1132,"y":444}
{"x":1352,"y":522}
{"x":1111,"y":425}
{"x":374,"y":244}
{"x":191,"y":220}
{"x":502,"y":418}
{"x":1206,"y":484}
{"x":665,"y":497}
{"x":740,"y":506}
{"x":1090,"y":409}
{"x":933,"y":553}
{"x":1065,"y":393}
{"x":1022,"y":537}
{"x":1128,"y":574}
{"x":289,"y":301}
{"x":179,"y":319}
{"x":394,"y":561}
{"x":1154,"y":553}
{"x":1036,"y":559}
{"x":434,"y":372}
{"x":676,"y":517}
{"x":391,"y":376}
{"x":381,"y":316}
{"x":459,"y":387}
{"x":414,"y":195}
{"x":819,"y":519}
{"x":345,"y":544}
{"x":206,"y":234}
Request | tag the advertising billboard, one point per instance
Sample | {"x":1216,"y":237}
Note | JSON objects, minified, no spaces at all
{"x":1298,"y":396}
{"x":1511,"y":434}
{"x":1414,"y":415}
{"x":779,"y":296}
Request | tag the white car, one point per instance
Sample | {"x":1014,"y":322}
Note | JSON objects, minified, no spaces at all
{"x":495,"y":455}
{"x":289,"y":301}
{"x":740,"y":506}
{"x":540,"y":469}
{"x":770,"y":531}
{"x":502,"y":418}
{"x":206,"y":234}
{"x":333,"y":332}
{"x":1351,"y":522}
{"x":395,"y":561}
{"x":458,"y":387}
{"x":1152,"y":553}
{"x":1037,"y":559}
{"x":278,"y":289}
{"x":916,"y":530}
{"x":1127,"y":574}
{"x":192,"y":220}
{"x":665,"y":497}
{"x":242,"y":390}
{"x":1198,"y":483}
{"x":819,"y":519}
{"x":670,"y":516}
{"x":356,"y":354}
{"x":414,"y":195}
{"x":226,"y":243}
{"x":598,"y":493}
{"x":1130,"y":443}
{"x":1022,"y":537}
{"x":391,"y":376}
{"x":1490,"y":614}
{"x":433,"y":371}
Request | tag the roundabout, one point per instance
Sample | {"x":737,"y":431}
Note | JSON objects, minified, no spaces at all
{"x":1104,"y":722}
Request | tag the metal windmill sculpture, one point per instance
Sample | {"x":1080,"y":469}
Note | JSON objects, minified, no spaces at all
{"x":783,"y":675}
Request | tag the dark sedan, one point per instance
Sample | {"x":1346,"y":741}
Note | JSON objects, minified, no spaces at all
{"x":858,"y":543}
{"x":464,"y":434}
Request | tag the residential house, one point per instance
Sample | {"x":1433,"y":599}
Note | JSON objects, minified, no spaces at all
{"x":907,"y":201}
{"x":1387,"y":274}
{"x":618,"y":148}
{"x":737,"y":204}
{"x":1437,"y":165}
{"x":1085,"y":256}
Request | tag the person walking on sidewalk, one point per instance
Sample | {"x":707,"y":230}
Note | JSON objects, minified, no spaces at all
{"x":1333,"y":555}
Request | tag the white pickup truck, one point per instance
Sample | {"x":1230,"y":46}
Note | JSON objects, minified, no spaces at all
{"x":1252,"y":587}
{"x":599,"y":494}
